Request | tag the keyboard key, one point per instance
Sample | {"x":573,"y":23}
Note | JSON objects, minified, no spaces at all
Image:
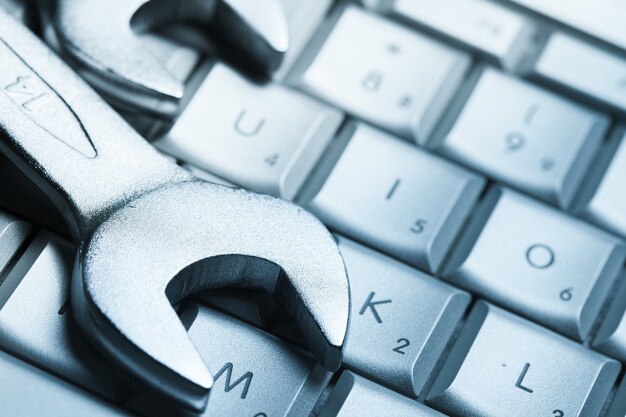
{"x":396,"y":198}
{"x":525,"y":137}
{"x":303,"y":19}
{"x":250,"y":367}
{"x":501,"y":363}
{"x":401,"y":322}
{"x":607,"y":206}
{"x":618,"y":407}
{"x":355,"y":396}
{"x":255,"y":373}
{"x":386,"y":74}
{"x":602,"y":19}
{"x":611,"y":336}
{"x":13,"y":233}
{"x":36,"y":320}
{"x":26,"y":391}
{"x":584,"y":70}
{"x":538,"y":262}
{"x":496,"y":32}
{"x":264,"y":138}
{"x":254,"y":307}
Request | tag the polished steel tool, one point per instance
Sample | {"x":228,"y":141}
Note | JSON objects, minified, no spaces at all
{"x":148,"y":233}
{"x":100,"y":38}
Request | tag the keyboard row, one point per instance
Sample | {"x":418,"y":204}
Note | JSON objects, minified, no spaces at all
{"x":515,"y":251}
{"x":541,"y":143}
{"x":412,"y":336}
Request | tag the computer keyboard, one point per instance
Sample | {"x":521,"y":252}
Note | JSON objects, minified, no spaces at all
{"x":469,"y":157}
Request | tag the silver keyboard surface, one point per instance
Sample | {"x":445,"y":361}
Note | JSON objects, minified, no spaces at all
{"x":469,"y":158}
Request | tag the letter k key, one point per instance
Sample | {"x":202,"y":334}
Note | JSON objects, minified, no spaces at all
{"x":371,"y":304}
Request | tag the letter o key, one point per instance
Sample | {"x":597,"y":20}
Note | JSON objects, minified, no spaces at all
{"x":540,"y":256}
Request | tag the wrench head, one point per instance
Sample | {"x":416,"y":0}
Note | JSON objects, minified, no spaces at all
{"x":193,"y":236}
{"x":101,"y":38}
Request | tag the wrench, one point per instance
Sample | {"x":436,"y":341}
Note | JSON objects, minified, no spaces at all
{"x":99,"y":37}
{"x":148,"y":233}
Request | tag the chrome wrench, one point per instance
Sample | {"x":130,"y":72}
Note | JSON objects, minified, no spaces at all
{"x":100,"y":38}
{"x":148,"y":233}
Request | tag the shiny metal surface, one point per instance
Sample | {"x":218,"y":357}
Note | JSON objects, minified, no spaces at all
{"x":100,"y":37}
{"x":149,"y":233}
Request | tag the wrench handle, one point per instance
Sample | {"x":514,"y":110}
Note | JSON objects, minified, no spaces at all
{"x":66,"y":139}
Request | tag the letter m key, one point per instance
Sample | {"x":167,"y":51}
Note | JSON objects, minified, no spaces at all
{"x":247,"y":377}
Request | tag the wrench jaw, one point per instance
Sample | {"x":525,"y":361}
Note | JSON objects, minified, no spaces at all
{"x":187,"y":384}
{"x":194,"y":236}
{"x":98,"y":37}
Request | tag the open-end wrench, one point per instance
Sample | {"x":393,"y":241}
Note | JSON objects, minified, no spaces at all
{"x":100,"y":38}
{"x":148,"y":233}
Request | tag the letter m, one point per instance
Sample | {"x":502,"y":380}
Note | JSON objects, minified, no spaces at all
{"x":247,"y":377}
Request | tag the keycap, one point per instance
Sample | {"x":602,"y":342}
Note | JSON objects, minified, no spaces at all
{"x":607,"y":205}
{"x":584,"y":70}
{"x":611,"y":336}
{"x":402,"y":319}
{"x":503,"y":365}
{"x":498,"y":33}
{"x":252,"y":306}
{"x":303,"y":19}
{"x":379,"y":71}
{"x":355,"y":396}
{"x":26,"y":391}
{"x":618,"y":407}
{"x":255,"y":373}
{"x":538,"y":262}
{"x":36,"y":320}
{"x":602,"y":19}
{"x":13,"y":233}
{"x":241,"y":132}
{"x":525,"y":137}
{"x":396,"y":198}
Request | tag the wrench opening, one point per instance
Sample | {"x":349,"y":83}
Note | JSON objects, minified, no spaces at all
{"x":250,"y":272}
{"x":100,"y":38}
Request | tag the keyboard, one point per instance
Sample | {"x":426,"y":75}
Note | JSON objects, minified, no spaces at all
{"x":469,"y":158}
